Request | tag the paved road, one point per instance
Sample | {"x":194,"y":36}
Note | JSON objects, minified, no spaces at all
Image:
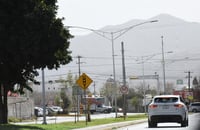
{"x":194,"y":120}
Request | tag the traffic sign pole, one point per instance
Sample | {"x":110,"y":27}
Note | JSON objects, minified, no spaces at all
{"x":84,"y":81}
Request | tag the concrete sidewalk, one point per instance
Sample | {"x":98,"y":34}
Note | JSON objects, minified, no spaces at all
{"x":113,"y":125}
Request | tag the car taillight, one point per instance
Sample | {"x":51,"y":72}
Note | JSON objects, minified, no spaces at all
{"x":178,"y":105}
{"x":153,"y":106}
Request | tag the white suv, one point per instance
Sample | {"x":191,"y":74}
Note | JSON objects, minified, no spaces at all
{"x":167,"y":108}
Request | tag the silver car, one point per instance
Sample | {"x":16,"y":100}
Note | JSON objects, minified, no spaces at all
{"x":167,"y":108}
{"x":194,"y":107}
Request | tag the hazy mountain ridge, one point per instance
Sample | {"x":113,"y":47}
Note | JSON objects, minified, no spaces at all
{"x":180,"y":36}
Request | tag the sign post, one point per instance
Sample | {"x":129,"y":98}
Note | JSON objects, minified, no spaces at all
{"x":84,"y":81}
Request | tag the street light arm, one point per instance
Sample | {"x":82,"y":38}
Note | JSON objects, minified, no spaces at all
{"x":148,"y":57}
{"x":98,"y":32}
{"x":123,"y":31}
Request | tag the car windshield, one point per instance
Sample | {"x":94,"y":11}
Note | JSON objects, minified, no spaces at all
{"x":165,"y":99}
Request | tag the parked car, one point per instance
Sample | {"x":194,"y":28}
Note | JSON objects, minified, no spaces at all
{"x":54,"y":110}
{"x":103,"y":109}
{"x":38,"y":111}
{"x":119,"y":109}
{"x":167,"y":108}
{"x":194,"y":107}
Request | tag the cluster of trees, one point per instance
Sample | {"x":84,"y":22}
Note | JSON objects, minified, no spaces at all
{"x":32,"y":37}
{"x":134,"y":97}
{"x":196,"y":89}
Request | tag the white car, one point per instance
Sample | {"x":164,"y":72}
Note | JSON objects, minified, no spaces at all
{"x":194,"y":107}
{"x":55,"y":109}
{"x":167,"y":108}
{"x":39,"y":111}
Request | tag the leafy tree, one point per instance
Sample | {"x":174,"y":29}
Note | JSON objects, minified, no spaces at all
{"x":57,"y":100}
{"x":195,"y":82}
{"x":169,"y":88}
{"x":135,"y":102}
{"x":109,"y":91}
{"x":70,"y":79}
{"x":31,"y":38}
{"x":65,"y":99}
{"x":196,"y":89}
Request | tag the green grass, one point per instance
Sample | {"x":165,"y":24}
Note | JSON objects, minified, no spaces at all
{"x":70,"y":125}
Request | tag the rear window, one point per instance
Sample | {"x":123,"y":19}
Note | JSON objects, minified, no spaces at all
{"x":165,"y":99}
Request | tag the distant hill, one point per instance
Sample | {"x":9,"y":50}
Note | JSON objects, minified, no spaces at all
{"x":143,"y":41}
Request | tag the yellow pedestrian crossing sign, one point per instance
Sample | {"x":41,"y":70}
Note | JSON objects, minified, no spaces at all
{"x":84,"y":81}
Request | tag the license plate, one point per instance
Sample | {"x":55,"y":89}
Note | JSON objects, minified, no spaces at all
{"x":165,"y":107}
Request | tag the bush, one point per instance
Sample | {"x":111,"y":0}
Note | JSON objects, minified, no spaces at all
{"x":14,"y":119}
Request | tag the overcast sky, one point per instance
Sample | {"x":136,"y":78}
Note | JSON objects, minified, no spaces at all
{"x":96,"y":14}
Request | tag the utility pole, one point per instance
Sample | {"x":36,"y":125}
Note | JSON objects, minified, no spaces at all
{"x":188,"y":79}
{"x":143,"y":86}
{"x":163,"y":63}
{"x":77,"y":91}
{"x":124,"y":81}
{"x":158,"y":84}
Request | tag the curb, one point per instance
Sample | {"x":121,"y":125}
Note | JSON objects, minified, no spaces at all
{"x":113,"y":125}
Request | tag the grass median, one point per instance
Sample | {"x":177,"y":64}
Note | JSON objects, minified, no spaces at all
{"x":71,"y":125}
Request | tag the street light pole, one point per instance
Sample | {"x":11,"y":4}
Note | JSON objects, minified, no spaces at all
{"x":124,"y":82}
{"x":144,"y":89}
{"x":118,"y":33}
{"x":163,"y":64}
{"x":114,"y":75}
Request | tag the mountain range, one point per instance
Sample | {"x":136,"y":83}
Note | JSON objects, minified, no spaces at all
{"x":143,"y":49}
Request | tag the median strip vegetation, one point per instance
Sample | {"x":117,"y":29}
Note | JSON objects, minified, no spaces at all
{"x":71,"y":125}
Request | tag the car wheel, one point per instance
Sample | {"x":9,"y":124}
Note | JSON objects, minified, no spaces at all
{"x":152,"y":124}
{"x":92,"y":112}
{"x":184,"y":123}
{"x":194,"y":110}
{"x":187,"y":122}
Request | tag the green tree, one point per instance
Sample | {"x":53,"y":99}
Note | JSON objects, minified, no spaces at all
{"x":70,"y":79}
{"x":31,"y":38}
{"x":65,"y":99}
{"x":109,"y":91}
{"x":135,"y":102}
{"x":195,"y":82}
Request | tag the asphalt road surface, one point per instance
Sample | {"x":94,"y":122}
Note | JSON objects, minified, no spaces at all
{"x":194,"y":124}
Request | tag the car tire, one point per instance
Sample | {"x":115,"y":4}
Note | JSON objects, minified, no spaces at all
{"x":105,"y":111}
{"x":152,"y":124}
{"x":194,"y":110}
{"x":92,"y":112}
{"x":187,"y":123}
{"x":184,"y":123}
